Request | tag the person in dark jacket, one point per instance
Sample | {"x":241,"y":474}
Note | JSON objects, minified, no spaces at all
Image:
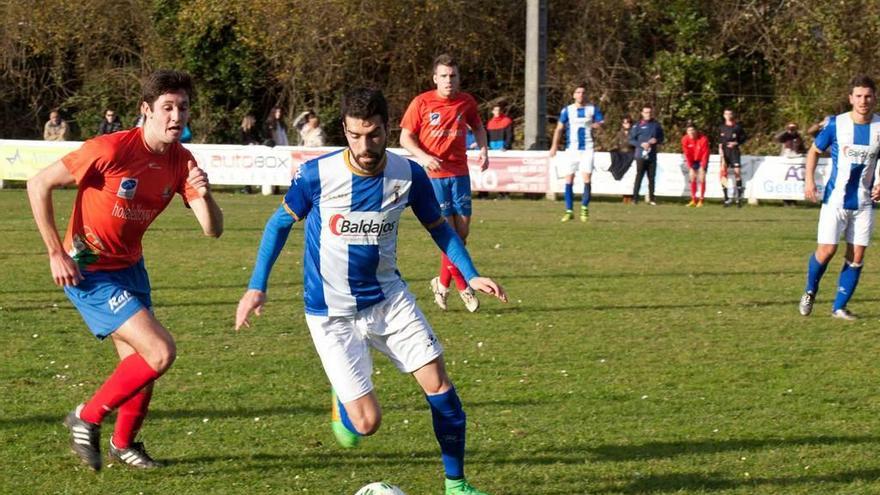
{"x":622,"y":153}
{"x":276,"y":128}
{"x":731,"y":136}
{"x":249,"y":132}
{"x":646,"y":136}
{"x":110,"y":123}
{"x":499,"y":129}
{"x":792,"y":142}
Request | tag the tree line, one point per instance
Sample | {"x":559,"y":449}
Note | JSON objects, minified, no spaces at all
{"x":770,"y":61}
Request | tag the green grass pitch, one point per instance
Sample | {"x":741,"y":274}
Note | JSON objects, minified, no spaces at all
{"x":654,"y":350}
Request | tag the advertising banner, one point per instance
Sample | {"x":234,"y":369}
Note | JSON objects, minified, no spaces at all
{"x":765,"y":177}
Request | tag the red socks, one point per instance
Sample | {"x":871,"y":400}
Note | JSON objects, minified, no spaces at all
{"x":702,"y":190}
{"x":130,"y":376}
{"x":694,"y":191}
{"x":130,"y":416}
{"x":448,"y":272}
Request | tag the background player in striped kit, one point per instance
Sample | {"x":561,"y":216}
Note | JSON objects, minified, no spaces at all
{"x":577,"y":122}
{"x":434,"y":130}
{"x":351,"y":202}
{"x":847,"y":203}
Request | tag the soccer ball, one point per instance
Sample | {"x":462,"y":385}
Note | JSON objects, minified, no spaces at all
{"x":380,"y":488}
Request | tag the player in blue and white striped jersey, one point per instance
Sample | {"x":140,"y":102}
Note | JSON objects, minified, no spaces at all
{"x":577,"y":122}
{"x":847,"y":202}
{"x":351,"y":202}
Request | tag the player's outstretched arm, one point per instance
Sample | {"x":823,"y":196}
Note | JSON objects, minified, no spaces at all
{"x":274,"y":237}
{"x":252,"y":301}
{"x":64,"y":269}
{"x":206,"y":210}
{"x":488,"y":286}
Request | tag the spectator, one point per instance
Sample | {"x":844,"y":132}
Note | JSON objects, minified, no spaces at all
{"x":276,"y":129}
{"x":249,"y":133}
{"x":187,"y":135}
{"x":622,"y":153}
{"x":646,"y":136}
{"x":695,"y":147}
{"x":731,"y":137}
{"x":55,"y":128}
{"x":309,"y":127}
{"x":470,"y":140}
{"x":792,"y":142}
{"x":110,"y":123}
{"x":500,"y":129}
{"x":817,"y":127}
{"x":792,"y":148}
{"x":139,"y":121}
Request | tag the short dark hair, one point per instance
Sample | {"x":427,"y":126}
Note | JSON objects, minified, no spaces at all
{"x":364,"y":103}
{"x":581,"y":85}
{"x":444,"y":59}
{"x":862,"y":81}
{"x":166,"y":81}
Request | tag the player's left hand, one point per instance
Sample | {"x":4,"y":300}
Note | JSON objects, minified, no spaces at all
{"x":875,"y":193}
{"x":483,"y":160}
{"x":488,"y":286}
{"x":252,"y":300}
{"x":197,"y":178}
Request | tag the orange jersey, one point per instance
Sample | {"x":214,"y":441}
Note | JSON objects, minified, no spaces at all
{"x":123,"y":186}
{"x":441,"y":126}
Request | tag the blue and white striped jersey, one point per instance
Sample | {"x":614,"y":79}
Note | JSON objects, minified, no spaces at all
{"x":351,"y":223}
{"x":854,"y":151}
{"x":577,"y":121}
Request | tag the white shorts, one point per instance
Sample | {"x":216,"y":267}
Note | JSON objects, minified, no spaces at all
{"x":569,"y":161}
{"x":395,"y":327}
{"x":857,"y":225}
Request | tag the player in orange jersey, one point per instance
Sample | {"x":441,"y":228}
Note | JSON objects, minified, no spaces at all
{"x":124,"y":181}
{"x":434,"y":129}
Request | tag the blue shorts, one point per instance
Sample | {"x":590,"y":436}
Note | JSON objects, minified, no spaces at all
{"x":697,"y":165}
{"x":107,"y":299}
{"x":454,"y":195}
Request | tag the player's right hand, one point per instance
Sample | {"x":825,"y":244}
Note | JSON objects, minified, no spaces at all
{"x":252,"y":300}
{"x":65,"y":271}
{"x":552,"y":152}
{"x":810,"y":191}
{"x":432,"y":165}
{"x":488,"y":286}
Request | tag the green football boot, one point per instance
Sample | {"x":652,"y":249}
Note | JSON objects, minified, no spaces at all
{"x":569,"y":215}
{"x":585,"y":213}
{"x":346,"y":438}
{"x":461,"y":487}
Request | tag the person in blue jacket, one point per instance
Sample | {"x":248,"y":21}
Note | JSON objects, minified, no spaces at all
{"x":646,"y":136}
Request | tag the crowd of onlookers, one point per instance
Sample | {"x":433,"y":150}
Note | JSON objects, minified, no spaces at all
{"x":635,"y":142}
{"x":274,"y":130}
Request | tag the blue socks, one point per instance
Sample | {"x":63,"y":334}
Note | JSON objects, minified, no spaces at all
{"x":815,"y":270}
{"x":846,"y":285}
{"x":449,"y":427}
{"x":569,"y":197}
{"x":343,"y":417}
